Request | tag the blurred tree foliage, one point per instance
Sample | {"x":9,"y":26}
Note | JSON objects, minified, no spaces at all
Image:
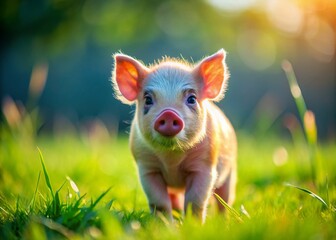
{"x":77,"y":38}
{"x":55,"y":25}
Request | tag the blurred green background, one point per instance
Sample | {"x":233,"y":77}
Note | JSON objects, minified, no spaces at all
{"x":57,"y":55}
{"x":55,"y":93}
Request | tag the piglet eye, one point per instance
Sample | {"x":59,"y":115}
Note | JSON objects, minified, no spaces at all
{"x":148,"y":100}
{"x":191,"y":99}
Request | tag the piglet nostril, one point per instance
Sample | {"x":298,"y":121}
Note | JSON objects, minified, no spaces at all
{"x":168,"y":123}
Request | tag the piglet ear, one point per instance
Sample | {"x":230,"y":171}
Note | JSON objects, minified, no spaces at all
{"x":213,"y":75}
{"x":127,"y":77}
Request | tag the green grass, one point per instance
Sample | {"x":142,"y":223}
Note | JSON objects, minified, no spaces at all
{"x":82,"y":186}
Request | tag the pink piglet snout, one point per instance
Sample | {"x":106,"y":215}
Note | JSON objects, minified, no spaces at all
{"x":168,"y":123}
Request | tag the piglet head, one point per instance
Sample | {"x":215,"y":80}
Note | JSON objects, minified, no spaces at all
{"x":171,"y":97}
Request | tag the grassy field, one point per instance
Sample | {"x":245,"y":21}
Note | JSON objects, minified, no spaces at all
{"x":89,"y":189}
{"x":83,"y":184}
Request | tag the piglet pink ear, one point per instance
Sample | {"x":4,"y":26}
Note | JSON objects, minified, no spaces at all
{"x":128,"y":76}
{"x":213,"y":75}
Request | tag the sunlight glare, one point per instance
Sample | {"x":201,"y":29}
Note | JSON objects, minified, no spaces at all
{"x":285,"y":15}
{"x":321,"y":38}
{"x":232,"y":5}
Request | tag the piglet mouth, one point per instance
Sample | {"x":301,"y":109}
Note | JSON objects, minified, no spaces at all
{"x":168,"y":123}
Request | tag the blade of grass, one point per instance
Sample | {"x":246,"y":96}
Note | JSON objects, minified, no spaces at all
{"x":73,"y":186}
{"x":231,"y":210}
{"x":57,"y":205}
{"x":309,"y":192}
{"x":32,"y":203}
{"x":89,"y":213}
{"x":79,"y":202}
{"x":308,"y":123}
{"x":57,"y":202}
{"x":46,"y":175}
{"x":109,"y":204}
{"x":295,"y":89}
{"x":99,"y":198}
{"x":243,"y":211}
{"x":49,"y":223}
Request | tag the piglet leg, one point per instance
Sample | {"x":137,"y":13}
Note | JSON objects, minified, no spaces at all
{"x":156,"y":191}
{"x":198,"y":191}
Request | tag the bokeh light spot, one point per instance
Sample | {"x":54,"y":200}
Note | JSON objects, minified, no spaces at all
{"x":285,"y":15}
{"x":280,"y":156}
{"x":257,"y":49}
{"x":232,"y":5}
{"x":321,"y":38}
{"x":296,"y":92}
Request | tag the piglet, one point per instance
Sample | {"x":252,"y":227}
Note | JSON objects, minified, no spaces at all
{"x":184,"y":146}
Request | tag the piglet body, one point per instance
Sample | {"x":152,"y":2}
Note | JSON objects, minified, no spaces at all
{"x":184,"y":146}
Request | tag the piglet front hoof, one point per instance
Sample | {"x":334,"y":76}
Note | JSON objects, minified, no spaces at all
{"x":168,"y":123}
